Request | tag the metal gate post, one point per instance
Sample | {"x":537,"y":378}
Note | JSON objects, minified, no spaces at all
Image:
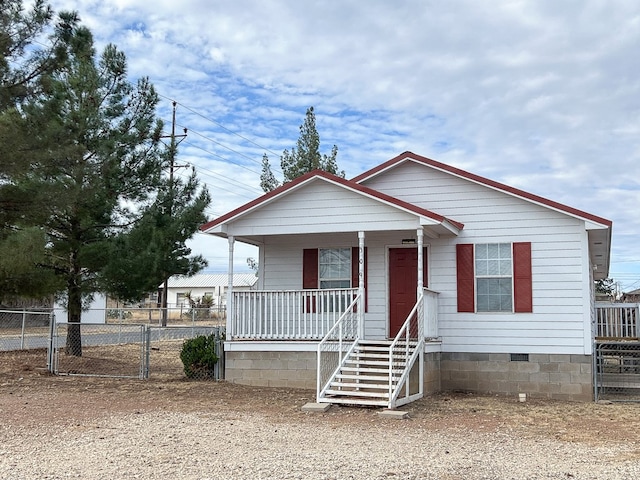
{"x":50,"y":345}
{"x":594,"y":366}
{"x":146,"y":342}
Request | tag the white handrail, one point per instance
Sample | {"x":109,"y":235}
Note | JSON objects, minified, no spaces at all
{"x":410,"y":351}
{"x":346,"y":328}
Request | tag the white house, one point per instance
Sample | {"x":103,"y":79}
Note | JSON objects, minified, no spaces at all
{"x":213,"y":285}
{"x":414,"y":277}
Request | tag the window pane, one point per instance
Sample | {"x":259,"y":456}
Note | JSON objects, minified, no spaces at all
{"x":481,"y":251}
{"x":335,"y":284}
{"x":481,"y":267}
{"x":335,"y":267}
{"x":505,"y":250}
{"x":505,"y":267}
{"x":493,"y":250}
{"x":493,"y":267}
{"x":494,"y":295}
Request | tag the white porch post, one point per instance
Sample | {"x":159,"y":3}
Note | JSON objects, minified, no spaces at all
{"x":361,"y":288}
{"x":420,"y":234}
{"x":230,"y":331}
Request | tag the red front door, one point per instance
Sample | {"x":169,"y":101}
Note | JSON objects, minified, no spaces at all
{"x":403,"y":285}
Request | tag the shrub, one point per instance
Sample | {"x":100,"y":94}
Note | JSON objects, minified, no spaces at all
{"x":199,"y":357}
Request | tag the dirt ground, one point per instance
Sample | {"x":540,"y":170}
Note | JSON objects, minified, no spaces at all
{"x":30,"y":396}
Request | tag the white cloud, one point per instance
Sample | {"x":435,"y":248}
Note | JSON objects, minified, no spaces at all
{"x":541,"y":94}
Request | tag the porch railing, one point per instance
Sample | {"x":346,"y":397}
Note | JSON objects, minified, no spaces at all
{"x":430,"y":308}
{"x":617,"y":320}
{"x":289,"y":314}
{"x":336,"y":345}
{"x":407,"y":346}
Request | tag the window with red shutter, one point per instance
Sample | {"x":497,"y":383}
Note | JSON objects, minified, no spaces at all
{"x":311,"y":264}
{"x":494,"y":277}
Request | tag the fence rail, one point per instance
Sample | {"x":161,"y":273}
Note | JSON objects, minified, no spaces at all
{"x":23,"y":329}
{"x":125,"y":350}
{"x":617,"y":320}
{"x":178,"y":315}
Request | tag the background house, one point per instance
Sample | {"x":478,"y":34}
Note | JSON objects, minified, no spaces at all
{"x":96,"y":312}
{"x":213,"y":285}
{"x":631,"y":297}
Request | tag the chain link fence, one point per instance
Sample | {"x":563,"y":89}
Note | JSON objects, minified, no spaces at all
{"x":165,"y":346}
{"x":128,"y":350}
{"x":617,"y":375}
{"x":24,"y":329}
{"x":179,"y":315}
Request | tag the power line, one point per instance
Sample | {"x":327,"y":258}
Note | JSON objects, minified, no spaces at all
{"x":228,"y":148}
{"x":222,"y":188}
{"x":222,"y":126}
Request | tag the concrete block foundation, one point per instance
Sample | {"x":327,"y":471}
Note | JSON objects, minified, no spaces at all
{"x":563,"y":377}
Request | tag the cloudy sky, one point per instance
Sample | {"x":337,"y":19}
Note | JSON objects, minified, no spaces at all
{"x":542,"y":95}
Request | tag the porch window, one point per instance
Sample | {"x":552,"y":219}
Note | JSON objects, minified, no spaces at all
{"x":335,"y":268}
{"x":493,"y":277}
{"x":324,"y":268}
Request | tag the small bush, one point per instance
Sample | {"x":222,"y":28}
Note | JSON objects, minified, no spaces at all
{"x":199,"y":357}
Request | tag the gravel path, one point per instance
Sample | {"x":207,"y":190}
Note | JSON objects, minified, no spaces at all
{"x":242,"y":445}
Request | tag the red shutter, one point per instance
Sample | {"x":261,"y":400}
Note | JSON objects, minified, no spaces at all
{"x":310,"y":268}
{"x":522,"y":284}
{"x":355,"y":257}
{"x":465,"y":277}
{"x":310,"y":275}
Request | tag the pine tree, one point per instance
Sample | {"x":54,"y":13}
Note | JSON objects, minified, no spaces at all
{"x":303,"y":158}
{"x":22,"y":64}
{"x":94,"y":186}
{"x":268,"y":180}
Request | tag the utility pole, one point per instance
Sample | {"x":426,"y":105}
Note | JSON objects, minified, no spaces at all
{"x":173,"y":146}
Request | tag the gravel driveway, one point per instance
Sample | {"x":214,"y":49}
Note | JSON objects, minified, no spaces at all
{"x":96,"y":428}
{"x":228,"y":445}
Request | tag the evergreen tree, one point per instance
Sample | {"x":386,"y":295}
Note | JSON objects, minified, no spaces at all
{"x":303,"y":158}
{"x":94,"y":189}
{"x":22,"y":64}
{"x":268,"y":180}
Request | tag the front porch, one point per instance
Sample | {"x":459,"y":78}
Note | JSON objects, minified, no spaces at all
{"x":306,"y":315}
{"x":301,"y":335}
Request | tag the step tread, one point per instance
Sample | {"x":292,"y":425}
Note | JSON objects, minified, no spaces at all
{"x":370,"y":364}
{"x":384,"y":378}
{"x":371,"y":370}
{"x":356,"y":401}
{"x":374,"y":386}
{"x":357,"y":393}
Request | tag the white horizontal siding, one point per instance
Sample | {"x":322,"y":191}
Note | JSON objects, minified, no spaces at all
{"x":322,"y":207}
{"x":558,"y":263}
